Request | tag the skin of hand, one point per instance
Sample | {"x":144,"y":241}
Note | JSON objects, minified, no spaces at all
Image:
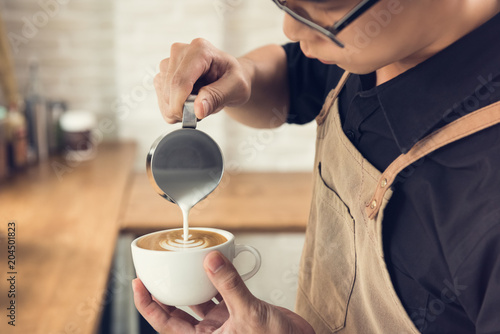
{"x":219,"y":79}
{"x":238,"y":311}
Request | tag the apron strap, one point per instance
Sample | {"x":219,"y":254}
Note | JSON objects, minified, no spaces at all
{"x":462,"y":127}
{"x":332,"y":96}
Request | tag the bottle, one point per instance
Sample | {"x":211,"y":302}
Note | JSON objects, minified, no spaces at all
{"x":4,"y":166}
{"x":55,"y":110}
{"x":36,"y":115}
{"x":17,"y":136}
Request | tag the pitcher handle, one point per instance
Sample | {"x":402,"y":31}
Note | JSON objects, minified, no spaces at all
{"x":188,"y":115}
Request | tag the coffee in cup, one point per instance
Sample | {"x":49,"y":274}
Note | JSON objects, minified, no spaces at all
{"x":172,"y":270}
{"x":173,"y":240}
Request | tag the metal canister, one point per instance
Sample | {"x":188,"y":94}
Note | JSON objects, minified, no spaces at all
{"x":4,"y":165}
{"x":18,"y":139}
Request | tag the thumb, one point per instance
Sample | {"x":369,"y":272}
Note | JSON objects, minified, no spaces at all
{"x":211,"y":99}
{"x":228,"y":282}
{"x":227,"y":91}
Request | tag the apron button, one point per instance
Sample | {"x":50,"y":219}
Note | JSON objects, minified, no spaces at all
{"x":383,"y":183}
{"x":373,"y":204}
{"x":350,"y":135}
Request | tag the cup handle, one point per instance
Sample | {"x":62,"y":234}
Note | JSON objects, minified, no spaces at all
{"x":244,"y":248}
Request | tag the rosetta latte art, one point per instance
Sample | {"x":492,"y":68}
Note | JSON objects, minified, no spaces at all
{"x":173,"y":240}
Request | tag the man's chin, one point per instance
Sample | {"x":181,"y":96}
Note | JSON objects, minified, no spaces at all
{"x":327,"y":62}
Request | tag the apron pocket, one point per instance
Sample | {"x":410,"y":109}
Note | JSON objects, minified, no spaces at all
{"x":328,"y":265}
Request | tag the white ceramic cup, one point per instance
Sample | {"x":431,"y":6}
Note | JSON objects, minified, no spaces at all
{"x":178,"y":278}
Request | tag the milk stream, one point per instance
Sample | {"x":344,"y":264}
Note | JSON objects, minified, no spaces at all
{"x":187,"y":187}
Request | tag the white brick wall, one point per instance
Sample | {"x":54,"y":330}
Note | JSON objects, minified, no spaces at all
{"x":101,"y":55}
{"x":73,"y":43}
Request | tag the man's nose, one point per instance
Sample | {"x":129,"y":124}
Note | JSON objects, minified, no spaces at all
{"x":293,"y":29}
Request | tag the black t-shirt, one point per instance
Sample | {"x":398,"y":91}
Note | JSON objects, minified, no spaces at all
{"x":441,"y":229}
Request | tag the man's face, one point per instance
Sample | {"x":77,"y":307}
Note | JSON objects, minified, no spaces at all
{"x":391,"y":31}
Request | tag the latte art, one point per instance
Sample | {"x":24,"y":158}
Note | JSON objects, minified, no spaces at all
{"x":173,"y":240}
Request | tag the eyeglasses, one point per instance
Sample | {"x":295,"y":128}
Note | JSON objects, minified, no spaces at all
{"x":334,"y":30}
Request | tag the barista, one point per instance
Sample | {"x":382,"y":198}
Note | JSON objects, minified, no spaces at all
{"x":405,"y":247}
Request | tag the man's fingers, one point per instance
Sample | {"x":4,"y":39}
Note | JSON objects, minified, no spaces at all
{"x":202,"y":309}
{"x":219,"y":298}
{"x":150,"y":310}
{"x":168,"y":309}
{"x":228,"y":282}
{"x":158,"y":317}
{"x":214,"y":319}
{"x":175,"y":72}
{"x":193,"y":65}
{"x":228,"y":89}
{"x":216,"y":77}
{"x":211,"y":98}
{"x":163,"y":82}
{"x":175,"y":312}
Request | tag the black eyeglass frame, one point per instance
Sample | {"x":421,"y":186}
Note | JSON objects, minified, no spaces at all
{"x":338,"y":26}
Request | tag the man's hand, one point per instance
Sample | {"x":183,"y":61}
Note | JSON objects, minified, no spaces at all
{"x":219,"y":79}
{"x":239,"y":312}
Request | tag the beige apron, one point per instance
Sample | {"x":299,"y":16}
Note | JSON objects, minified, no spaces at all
{"x":344,"y":285}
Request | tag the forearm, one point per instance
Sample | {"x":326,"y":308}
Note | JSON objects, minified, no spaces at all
{"x":269,"y":101}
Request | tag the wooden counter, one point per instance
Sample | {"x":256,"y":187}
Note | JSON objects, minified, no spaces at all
{"x":244,"y":201}
{"x":66,"y":229}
